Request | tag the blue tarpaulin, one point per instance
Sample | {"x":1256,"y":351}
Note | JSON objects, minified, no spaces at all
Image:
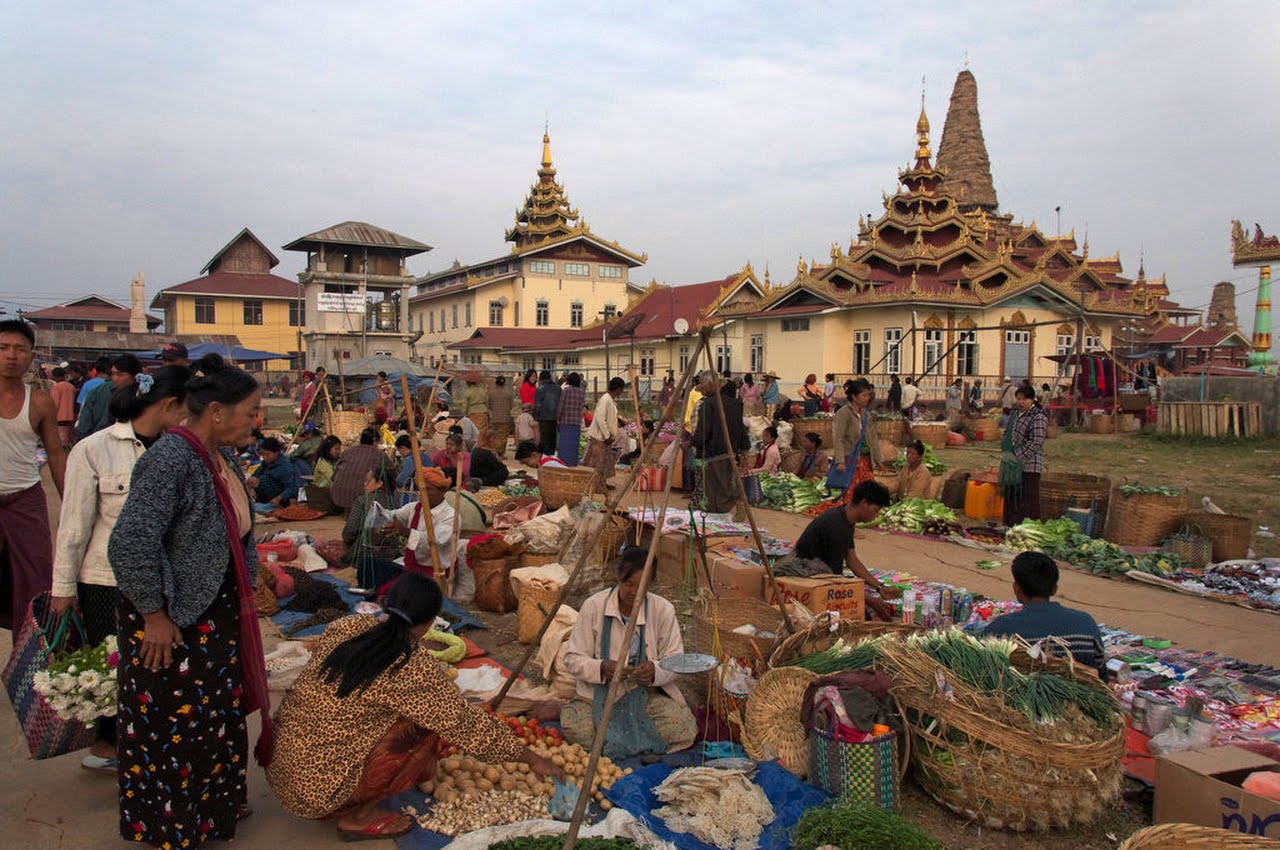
{"x":233,"y":353}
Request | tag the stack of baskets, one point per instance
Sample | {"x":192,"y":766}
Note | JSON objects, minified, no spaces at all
{"x":977,"y":756}
{"x":1230,"y":533}
{"x":723,"y":615}
{"x":564,"y":485}
{"x":887,"y":429}
{"x":820,"y":425}
{"x":770,"y":727}
{"x":346,"y":425}
{"x":930,"y":433}
{"x":1192,"y":546}
{"x":1144,"y":519}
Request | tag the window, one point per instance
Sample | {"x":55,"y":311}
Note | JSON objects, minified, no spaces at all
{"x":419,"y":323}
{"x":431,"y":321}
{"x":466,"y":314}
{"x":609,"y":271}
{"x":932,"y":348}
{"x":575,"y":314}
{"x":542,"y":313}
{"x":647,"y":360}
{"x":441,"y":320}
{"x":549,"y":363}
{"x":861,"y":352}
{"x":471,"y":359}
{"x":542,"y":267}
{"x":610,"y":310}
{"x":455,"y":315}
{"x":253,"y":311}
{"x":61,"y":325}
{"x":577,"y":269}
{"x":572,"y":360}
{"x":205,"y":311}
{"x":1065,"y":348}
{"x":892,"y":350}
{"x":967,"y":353}
{"x":789,"y":325}
{"x":516,"y":307}
{"x":530,"y":362}
{"x":495,"y":314}
{"x":298,"y":314}
{"x":722,"y":359}
{"x":1092,"y":343}
{"x":684,"y":358}
{"x":757,"y":352}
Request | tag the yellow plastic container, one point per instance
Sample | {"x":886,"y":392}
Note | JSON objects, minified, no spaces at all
{"x":982,"y":500}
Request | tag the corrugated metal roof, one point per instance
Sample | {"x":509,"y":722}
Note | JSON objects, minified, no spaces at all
{"x":234,"y":284}
{"x":359,"y":234}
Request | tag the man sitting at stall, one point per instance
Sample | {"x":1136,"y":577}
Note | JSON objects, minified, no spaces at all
{"x":914,"y":479}
{"x":1035,"y":581}
{"x":826,"y":545}
{"x":417,"y":550}
{"x":651,"y":715}
{"x":365,"y":719}
{"x":276,"y":483}
{"x":527,"y":454}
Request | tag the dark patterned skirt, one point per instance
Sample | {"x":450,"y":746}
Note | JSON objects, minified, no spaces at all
{"x":182,"y":740}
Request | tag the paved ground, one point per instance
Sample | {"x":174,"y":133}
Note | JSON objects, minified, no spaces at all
{"x":54,"y":804}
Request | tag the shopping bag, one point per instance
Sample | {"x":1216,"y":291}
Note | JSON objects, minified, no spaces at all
{"x":755,"y":492}
{"x":651,"y":479}
{"x":35,"y":645}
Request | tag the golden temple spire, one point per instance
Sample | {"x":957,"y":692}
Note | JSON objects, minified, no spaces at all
{"x":768,"y":284}
{"x":922,"y":132}
{"x":546,"y":145}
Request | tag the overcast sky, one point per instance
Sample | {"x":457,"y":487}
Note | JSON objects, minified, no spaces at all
{"x":142,"y":136}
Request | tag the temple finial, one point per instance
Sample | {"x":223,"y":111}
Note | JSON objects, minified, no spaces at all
{"x":922,"y":129}
{"x":546,"y":145}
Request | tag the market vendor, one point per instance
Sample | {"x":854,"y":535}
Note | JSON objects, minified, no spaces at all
{"x":404,"y":449}
{"x":812,"y":461}
{"x":914,"y":479}
{"x":417,"y":550}
{"x":276,"y":482}
{"x":365,"y":719}
{"x":487,"y":469}
{"x":1035,"y":581}
{"x":651,"y":715}
{"x":454,"y":457}
{"x":826,"y":545}
{"x":528,"y":454}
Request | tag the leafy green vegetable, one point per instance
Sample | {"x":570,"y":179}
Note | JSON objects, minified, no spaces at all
{"x":1041,"y":533}
{"x":1101,"y":557}
{"x":987,"y":564}
{"x":914,"y":515}
{"x":849,"y":825}
{"x":786,"y":492}
{"x":840,"y":656}
{"x":1147,"y":490}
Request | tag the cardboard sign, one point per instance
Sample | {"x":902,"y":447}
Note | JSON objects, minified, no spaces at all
{"x":821,"y":594}
{"x":1203,"y":787}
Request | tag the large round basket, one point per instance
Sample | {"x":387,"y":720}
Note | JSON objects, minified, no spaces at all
{"x":819,"y":637}
{"x":771,"y":726}
{"x":930,"y":433}
{"x":1101,"y":423}
{"x":493,"y":585}
{"x":1185,"y":836}
{"x":985,"y":429}
{"x":820,"y":425}
{"x":1144,"y":519}
{"x":1230,"y":533}
{"x":537,"y":559}
{"x":346,"y":425}
{"x":889,"y":429}
{"x":533,"y":603}
{"x":1062,"y":490}
{"x":974,"y":755}
{"x":722,"y":615}
{"x":560,"y":486}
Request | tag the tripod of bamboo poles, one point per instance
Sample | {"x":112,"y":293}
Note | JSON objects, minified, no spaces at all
{"x":676,"y":399}
{"x":414,"y":446}
{"x":323,"y":388}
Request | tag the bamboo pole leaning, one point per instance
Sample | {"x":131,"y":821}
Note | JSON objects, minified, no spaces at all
{"x":677,"y":399}
{"x":414,"y":446}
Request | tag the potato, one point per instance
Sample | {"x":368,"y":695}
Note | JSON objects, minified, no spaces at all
{"x":506,"y":783}
{"x":427,"y":787}
{"x":606,"y":805}
{"x":483,"y":784}
{"x":492,"y":774}
{"x":452,"y":765}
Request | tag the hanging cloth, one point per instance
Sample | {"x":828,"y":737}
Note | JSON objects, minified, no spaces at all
{"x":1010,"y":467}
{"x":251,"y":655}
{"x":631,"y":730}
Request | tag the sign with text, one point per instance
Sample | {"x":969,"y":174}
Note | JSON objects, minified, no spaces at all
{"x":338,"y":302}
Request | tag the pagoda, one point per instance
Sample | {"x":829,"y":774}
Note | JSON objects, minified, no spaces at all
{"x":546,"y":214}
{"x":1260,"y":251}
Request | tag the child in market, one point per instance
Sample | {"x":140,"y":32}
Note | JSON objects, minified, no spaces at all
{"x":526,"y":425}
{"x":1035,"y":581}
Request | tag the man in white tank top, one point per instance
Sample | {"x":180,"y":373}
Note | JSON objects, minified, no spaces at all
{"x":28,"y":418}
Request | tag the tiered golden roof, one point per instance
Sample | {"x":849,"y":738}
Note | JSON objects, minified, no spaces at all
{"x":546,"y":213}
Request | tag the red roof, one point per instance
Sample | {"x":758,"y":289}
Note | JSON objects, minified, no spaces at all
{"x":1172,"y":334}
{"x":1210,"y":337}
{"x":86,"y":314}
{"x":234,"y":284}
{"x":535,"y":338}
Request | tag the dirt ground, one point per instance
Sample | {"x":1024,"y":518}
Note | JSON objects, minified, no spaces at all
{"x":54,"y":804}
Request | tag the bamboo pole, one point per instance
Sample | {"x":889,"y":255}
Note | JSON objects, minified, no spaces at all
{"x":342,"y":380}
{"x":311,"y":402}
{"x":615,"y":682}
{"x":635,"y":401}
{"x":417,"y":476}
{"x":676,"y":402}
{"x":450,"y":574}
{"x":751,"y":519}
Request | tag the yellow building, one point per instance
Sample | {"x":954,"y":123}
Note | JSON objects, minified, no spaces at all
{"x":238,"y":297}
{"x":557,"y":275}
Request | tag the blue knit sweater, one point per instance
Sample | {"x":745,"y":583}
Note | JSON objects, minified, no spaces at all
{"x":169,"y":548}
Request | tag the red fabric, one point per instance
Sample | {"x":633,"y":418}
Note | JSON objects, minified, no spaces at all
{"x":527,"y":392}
{"x":251,"y":652}
{"x":403,"y":757}
{"x":26,"y":554}
{"x":1138,"y":761}
{"x":863,"y":473}
{"x":411,"y":564}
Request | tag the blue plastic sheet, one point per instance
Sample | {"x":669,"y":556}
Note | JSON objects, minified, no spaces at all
{"x":789,"y":797}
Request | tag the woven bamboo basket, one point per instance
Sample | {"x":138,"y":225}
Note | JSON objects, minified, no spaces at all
{"x":976,"y":756}
{"x":1101,"y":423}
{"x":820,"y":425}
{"x":770,"y":726}
{"x":346,"y":425}
{"x":611,"y":538}
{"x":1062,"y":490}
{"x":888,"y":429}
{"x":1144,"y":519}
{"x":819,"y":637}
{"x":1051,"y":430}
{"x":1230,"y":533}
{"x":561,"y":486}
{"x":1186,"y":836}
{"x":930,"y":433}
{"x":537,"y":559}
{"x":533,"y":603}
{"x":727,"y":615}
{"x":1191,"y":545}
{"x":493,"y":585}
{"x":985,"y":429}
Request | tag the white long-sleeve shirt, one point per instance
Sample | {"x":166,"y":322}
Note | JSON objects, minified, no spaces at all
{"x":419,"y":543}
{"x":661,"y":640}
{"x":604,"y":425}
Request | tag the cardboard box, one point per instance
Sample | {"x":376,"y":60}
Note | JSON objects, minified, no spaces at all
{"x":736,"y":579}
{"x":821,"y":594}
{"x":1203,"y":787}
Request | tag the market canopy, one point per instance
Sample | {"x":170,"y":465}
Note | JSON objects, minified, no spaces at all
{"x":232,"y":353}
{"x":371,"y":366}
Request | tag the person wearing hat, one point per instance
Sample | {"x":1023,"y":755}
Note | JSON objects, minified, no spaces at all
{"x":770,"y":394}
{"x":603,"y":432}
{"x":175,"y":354}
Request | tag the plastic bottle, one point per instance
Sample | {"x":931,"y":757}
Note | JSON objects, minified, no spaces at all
{"x":909,"y":606}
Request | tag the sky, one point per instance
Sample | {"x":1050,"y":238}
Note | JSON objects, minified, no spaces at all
{"x":142,"y":137}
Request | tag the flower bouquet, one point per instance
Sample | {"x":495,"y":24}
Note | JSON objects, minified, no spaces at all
{"x":81,"y":685}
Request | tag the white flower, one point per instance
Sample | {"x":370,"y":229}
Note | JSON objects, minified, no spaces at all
{"x":112,"y":644}
{"x":111,"y":709}
{"x":43,"y":682}
{"x":89,"y":679}
{"x":64,"y":683}
{"x":72,"y":670}
{"x":106,"y":688}
{"x":59,"y":704}
{"x":87,"y":713}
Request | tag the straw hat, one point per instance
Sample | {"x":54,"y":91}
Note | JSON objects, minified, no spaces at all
{"x":770,"y":375}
